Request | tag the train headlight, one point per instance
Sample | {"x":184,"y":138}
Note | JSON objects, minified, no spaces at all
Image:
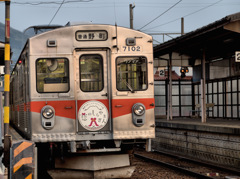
{"x":139,"y":109}
{"x":138,"y":114}
{"x":48,"y":117}
{"x":48,"y":113}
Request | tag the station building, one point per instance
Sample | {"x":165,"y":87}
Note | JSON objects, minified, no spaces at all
{"x":199,"y":117}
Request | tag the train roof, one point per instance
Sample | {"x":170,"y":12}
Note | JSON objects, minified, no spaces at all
{"x":79,"y":24}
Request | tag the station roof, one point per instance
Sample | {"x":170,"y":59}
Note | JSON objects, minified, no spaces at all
{"x":219,"y":39}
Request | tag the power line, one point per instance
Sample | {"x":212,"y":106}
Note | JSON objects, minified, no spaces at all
{"x":184,"y":16}
{"x":62,"y":4}
{"x":56,"y":12}
{"x":49,"y":2}
{"x":118,"y":4}
{"x":123,"y":4}
{"x":203,"y":8}
{"x":161,"y":14}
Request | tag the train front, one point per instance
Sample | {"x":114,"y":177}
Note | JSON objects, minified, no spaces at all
{"x":94,"y":93}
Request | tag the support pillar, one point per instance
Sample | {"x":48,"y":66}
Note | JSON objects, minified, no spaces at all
{"x":203,"y":92}
{"x":169,"y":114}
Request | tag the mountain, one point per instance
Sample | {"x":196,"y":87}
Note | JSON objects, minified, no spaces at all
{"x":17,"y":41}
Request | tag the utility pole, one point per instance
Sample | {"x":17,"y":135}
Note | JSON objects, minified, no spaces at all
{"x":182,"y":26}
{"x":131,"y":7}
{"x":7,"y":137}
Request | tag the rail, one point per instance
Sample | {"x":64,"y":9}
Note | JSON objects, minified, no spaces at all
{"x":186,"y":165}
{"x":174,"y":167}
{"x":218,"y":167}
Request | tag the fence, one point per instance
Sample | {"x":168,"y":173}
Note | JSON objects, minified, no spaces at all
{"x":181,"y":98}
{"x":224,"y":93}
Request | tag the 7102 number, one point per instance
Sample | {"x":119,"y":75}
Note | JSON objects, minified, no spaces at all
{"x":131,"y":48}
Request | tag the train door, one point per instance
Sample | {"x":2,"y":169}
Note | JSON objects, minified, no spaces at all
{"x":92,"y":91}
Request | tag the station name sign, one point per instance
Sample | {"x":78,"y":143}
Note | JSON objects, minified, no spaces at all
{"x":237,"y":56}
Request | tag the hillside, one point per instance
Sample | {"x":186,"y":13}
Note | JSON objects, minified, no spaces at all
{"x":17,"y":41}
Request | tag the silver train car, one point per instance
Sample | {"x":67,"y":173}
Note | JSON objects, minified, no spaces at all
{"x":84,"y":89}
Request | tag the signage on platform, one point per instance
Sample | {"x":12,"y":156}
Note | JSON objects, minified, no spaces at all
{"x":237,"y":56}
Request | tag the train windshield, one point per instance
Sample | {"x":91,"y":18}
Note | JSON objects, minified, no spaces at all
{"x":131,"y":73}
{"x":91,"y":73}
{"x":52,"y":75}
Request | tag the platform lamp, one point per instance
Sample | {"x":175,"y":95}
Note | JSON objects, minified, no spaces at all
{"x":183,"y":71}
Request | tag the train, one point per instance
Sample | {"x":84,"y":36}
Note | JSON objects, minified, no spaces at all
{"x":84,"y":89}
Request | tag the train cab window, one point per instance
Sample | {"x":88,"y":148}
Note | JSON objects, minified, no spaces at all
{"x":131,"y":73}
{"x":52,"y":75}
{"x":91,"y":73}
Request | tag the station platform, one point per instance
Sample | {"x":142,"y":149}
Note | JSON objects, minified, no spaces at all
{"x":216,"y":125}
{"x":216,"y":141}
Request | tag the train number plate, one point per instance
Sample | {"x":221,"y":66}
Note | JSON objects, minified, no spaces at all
{"x":131,"y":48}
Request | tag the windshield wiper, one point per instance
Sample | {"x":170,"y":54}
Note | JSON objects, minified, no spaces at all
{"x":127,"y":84}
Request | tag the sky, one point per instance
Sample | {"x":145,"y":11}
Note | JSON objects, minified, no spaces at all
{"x":150,"y":16}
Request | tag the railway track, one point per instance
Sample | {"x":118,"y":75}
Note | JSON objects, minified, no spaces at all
{"x":187,"y":166}
{"x":217,"y":167}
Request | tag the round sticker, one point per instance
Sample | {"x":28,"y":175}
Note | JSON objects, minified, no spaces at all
{"x":93,"y":115}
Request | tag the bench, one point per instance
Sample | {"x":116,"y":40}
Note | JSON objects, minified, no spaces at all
{"x":209,"y":108}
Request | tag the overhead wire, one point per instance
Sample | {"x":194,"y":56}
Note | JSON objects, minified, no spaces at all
{"x":49,"y":2}
{"x":184,"y":16}
{"x":83,"y":1}
{"x":56,"y":12}
{"x":63,"y":3}
{"x":203,"y":8}
{"x":161,"y":14}
{"x":140,"y":4}
{"x":118,"y":4}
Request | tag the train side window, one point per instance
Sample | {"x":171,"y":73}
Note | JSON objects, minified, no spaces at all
{"x":91,"y":73}
{"x":131,"y":73}
{"x":52,"y":75}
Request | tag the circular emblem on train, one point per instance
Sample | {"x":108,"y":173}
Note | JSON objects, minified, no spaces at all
{"x":93,"y":115}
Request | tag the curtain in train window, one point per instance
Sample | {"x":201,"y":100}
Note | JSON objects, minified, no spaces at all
{"x":131,"y":73}
{"x":91,"y":73}
{"x":52,"y":75}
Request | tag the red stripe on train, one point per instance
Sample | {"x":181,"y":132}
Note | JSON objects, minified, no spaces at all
{"x":66,"y":109}
{"x":62,"y":108}
{"x":122,"y":107}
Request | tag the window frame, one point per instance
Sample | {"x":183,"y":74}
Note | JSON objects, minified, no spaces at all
{"x":146,"y":72}
{"x":102,"y":68}
{"x":42,"y":58}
